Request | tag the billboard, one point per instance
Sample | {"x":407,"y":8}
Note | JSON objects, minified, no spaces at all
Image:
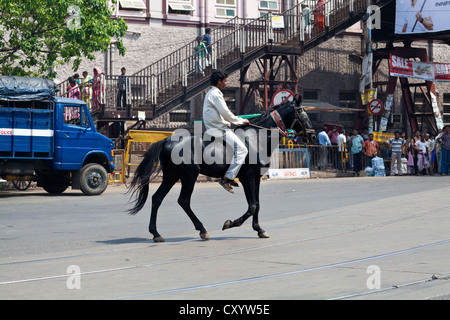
{"x":429,"y":71}
{"x":422,"y":16}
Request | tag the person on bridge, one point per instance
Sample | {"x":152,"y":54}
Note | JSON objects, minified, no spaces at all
{"x":207,"y":41}
{"x":217,"y":116}
{"x":319,"y":15}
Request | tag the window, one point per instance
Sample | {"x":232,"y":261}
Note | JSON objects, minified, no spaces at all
{"x":226,"y":2}
{"x":225,"y":8}
{"x":130,"y":9}
{"x":347,"y":118}
{"x":268,"y":5}
{"x":75,"y":115}
{"x":311,"y":95}
{"x":347,"y":99}
{"x":420,"y":102}
{"x":446,"y":108}
{"x":132,"y":4}
{"x":225,"y":13}
{"x":180,"y":117}
{"x":181,"y":7}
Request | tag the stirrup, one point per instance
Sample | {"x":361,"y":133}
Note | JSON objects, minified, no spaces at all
{"x":226,"y":185}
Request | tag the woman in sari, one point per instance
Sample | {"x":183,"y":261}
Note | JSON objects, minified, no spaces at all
{"x":97,"y":88}
{"x":319,"y":15}
{"x":73,"y":91}
{"x":86,"y":89}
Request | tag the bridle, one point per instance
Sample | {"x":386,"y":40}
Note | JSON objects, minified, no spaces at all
{"x":299,"y":115}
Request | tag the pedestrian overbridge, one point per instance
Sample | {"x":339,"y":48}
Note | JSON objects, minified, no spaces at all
{"x":166,"y":84}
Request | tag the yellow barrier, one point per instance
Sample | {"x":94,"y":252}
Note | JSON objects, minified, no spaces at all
{"x":142,"y":136}
{"x":118,"y":175}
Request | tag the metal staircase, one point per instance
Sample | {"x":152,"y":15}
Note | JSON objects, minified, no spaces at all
{"x":169,"y":82}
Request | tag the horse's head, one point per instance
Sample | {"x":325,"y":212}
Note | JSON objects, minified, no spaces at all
{"x":302,"y":124}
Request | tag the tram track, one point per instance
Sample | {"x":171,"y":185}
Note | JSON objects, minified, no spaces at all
{"x":285,"y":274}
{"x":392,"y":288}
{"x":345,"y":211}
{"x":245,"y":250}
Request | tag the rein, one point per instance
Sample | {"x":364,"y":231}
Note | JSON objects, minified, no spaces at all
{"x":281,"y":127}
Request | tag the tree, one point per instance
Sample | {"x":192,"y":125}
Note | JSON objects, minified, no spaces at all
{"x":38,"y":35}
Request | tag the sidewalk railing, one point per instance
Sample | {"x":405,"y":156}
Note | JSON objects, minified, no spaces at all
{"x":335,"y":158}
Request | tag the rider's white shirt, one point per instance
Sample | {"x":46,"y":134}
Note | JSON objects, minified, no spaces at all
{"x":216,"y":114}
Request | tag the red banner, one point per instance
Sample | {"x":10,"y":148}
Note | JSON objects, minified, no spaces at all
{"x":442,"y":71}
{"x":401,"y":67}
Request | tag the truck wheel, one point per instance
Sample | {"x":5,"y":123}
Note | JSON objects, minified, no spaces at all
{"x":54,"y":184}
{"x":93,"y":179}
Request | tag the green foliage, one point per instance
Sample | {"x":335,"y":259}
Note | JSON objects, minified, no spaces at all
{"x":38,"y":35}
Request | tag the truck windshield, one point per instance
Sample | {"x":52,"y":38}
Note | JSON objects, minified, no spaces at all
{"x":76,"y":115}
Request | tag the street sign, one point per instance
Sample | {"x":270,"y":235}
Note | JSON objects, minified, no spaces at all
{"x":375,"y":106}
{"x":281,"y":96}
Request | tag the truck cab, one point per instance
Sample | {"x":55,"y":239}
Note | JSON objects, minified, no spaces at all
{"x":52,"y":141}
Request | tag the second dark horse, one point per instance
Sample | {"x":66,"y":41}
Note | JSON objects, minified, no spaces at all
{"x":289,"y":115}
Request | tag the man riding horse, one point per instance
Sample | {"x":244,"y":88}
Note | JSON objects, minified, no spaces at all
{"x":218,"y":119}
{"x":164,"y":156}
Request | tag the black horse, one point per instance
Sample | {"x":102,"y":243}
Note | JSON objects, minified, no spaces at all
{"x":160,"y":156}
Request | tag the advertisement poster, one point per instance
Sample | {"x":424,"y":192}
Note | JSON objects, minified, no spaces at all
{"x":400,"y":67}
{"x":421,"y":16}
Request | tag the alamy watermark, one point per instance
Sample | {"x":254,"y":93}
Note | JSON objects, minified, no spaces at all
{"x":74,"y":280}
{"x":215,"y":147}
{"x":374,"y":17}
{"x":374,"y":280}
{"x":73,"y":17}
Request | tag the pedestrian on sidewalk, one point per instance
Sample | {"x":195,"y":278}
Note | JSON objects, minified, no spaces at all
{"x":422,"y":159}
{"x":341,"y":142}
{"x":356,"y":142}
{"x":396,"y":146}
{"x":370,"y":149}
{"x":324,"y":142}
{"x":444,"y":141}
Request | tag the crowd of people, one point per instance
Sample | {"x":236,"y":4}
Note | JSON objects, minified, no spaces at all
{"x":87,"y":88}
{"x":423,"y":153}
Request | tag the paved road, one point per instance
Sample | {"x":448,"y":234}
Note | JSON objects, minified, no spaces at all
{"x":347,"y":238}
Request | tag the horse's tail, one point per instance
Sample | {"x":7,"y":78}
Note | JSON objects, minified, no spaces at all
{"x":145,"y":172}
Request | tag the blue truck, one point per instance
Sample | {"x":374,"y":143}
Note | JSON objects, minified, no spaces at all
{"x":49,"y":139}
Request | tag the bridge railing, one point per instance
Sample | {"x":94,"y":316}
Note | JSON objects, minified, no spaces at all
{"x":170,"y":77}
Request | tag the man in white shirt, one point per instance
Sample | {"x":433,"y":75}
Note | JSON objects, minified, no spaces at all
{"x":422,"y":158}
{"x":218,"y":117}
{"x":341,"y":142}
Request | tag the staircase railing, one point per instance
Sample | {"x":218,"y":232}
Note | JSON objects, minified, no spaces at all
{"x":180,"y":53}
{"x":173,"y":81}
{"x":169,"y":79}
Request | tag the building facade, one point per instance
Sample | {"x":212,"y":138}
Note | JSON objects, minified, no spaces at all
{"x":329,"y":73}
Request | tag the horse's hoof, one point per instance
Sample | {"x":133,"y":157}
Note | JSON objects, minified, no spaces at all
{"x":263,"y":235}
{"x":159,"y":239}
{"x":227,"y":225}
{"x":205,"y":236}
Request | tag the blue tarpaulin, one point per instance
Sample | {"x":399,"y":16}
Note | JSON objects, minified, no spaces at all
{"x":26,"y":89}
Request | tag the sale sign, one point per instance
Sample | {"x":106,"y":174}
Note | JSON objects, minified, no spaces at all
{"x":401,"y":67}
{"x":442,"y":71}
